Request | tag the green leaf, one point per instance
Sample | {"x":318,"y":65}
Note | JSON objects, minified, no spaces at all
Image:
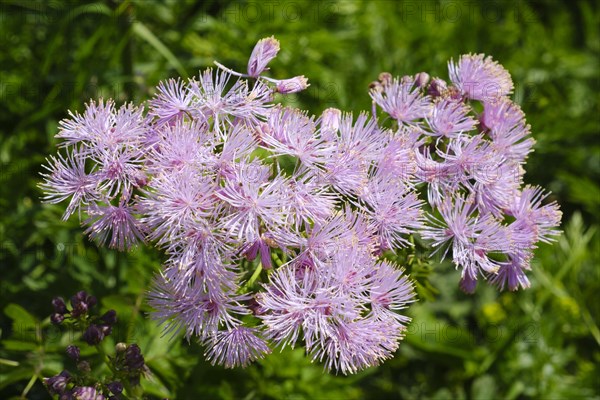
{"x":19,"y":345}
{"x":484,"y":388}
{"x":143,"y":32}
{"x":14,"y":376}
{"x":20,"y":316}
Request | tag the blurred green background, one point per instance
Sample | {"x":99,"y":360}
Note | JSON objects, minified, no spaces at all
{"x":541,"y":343}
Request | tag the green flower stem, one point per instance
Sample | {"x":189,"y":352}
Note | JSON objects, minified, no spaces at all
{"x":106,"y":359}
{"x":255,"y":275}
{"x":131,"y":391}
{"x":278,"y":261}
{"x":29,"y":386}
{"x":134,"y":314}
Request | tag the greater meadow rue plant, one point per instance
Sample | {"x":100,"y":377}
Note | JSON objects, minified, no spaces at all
{"x":238,"y":190}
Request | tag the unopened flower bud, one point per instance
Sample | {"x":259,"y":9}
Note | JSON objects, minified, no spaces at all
{"x":73,"y":352}
{"x":109,"y":317}
{"x":87,"y":393}
{"x":265,"y":50}
{"x":91,"y":301}
{"x":134,"y":360}
{"x":79,"y":297}
{"x":120,"y":347}
{"x":421,"y":79}
{"x":57,"y":384}
{"x":376,"y":87}
{"x":93,"y":335}
{"x":437,"y":87}
{"x":59,"y":305}
{"x":57,"y":318}
{"x":292,"y":85}
{"x":408,"y":81}
{"x":79,"y":310}
{"x":79,"y":304}
{"x":115,"y":387}
{"x":330,"y":123}
{"x":106,"y":329}
{"x":385,"y":78}
{"x":84,"y":366}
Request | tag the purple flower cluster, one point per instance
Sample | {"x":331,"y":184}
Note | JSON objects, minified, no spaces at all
{"x":472,"y":163}
{"x":230,"y":184}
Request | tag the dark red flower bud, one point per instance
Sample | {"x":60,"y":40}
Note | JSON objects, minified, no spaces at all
{"x":57,"y":318}
{"x":58,"y":383}
{"x":93,"y":335}
{"x":59,"y":305}
{"x":115,"y":387}
{"x":109,"y":317}
{"x":134,"y":360}
{"x":73,"y":352}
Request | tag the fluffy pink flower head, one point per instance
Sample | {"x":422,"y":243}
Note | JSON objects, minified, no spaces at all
{"x":480,"y":77}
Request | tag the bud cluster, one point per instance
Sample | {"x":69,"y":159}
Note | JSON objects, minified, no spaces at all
{"x":95,"y":328}
{"x":127,"y":366}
